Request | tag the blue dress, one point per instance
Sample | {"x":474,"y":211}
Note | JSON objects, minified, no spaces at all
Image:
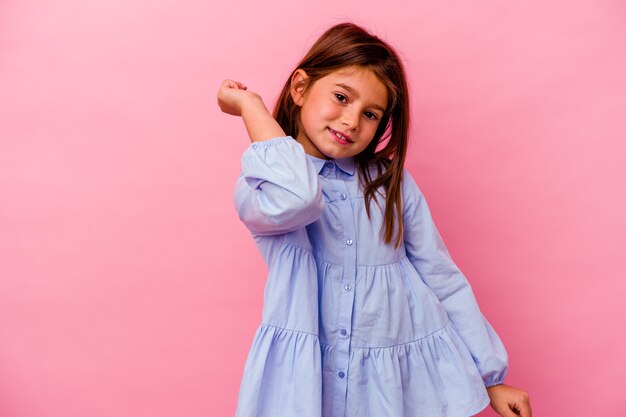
{"x":352,"y":327}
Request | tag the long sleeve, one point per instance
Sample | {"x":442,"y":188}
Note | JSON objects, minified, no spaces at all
{"x":278,"y":190}
{"x":428,"y":254}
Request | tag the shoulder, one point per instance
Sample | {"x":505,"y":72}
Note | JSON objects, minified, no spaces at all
{"x":409,"y":184}
{"x":277,"y":143}
{"x":412,"y":197}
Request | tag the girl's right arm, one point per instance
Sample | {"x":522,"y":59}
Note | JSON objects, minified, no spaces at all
{"x":233,"y":98}
{"x":278,"y":190}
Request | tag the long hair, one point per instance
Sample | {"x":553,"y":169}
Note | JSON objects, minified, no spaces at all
{"x":347,"y":44}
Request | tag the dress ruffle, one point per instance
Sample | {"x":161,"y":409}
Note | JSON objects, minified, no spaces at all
{"x":282,"y":375}
{"x":422,"y":378}
{"x":287,"y":372}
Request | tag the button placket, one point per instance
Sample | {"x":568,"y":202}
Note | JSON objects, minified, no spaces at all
{"x":346,"y":301}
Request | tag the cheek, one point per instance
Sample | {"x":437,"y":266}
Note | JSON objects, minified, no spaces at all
{"x":370,"y":128}
{"x":306,"y":116}
{"x":317,"y":109}
{"x":328,"y":110}
{"x":365,"y":144}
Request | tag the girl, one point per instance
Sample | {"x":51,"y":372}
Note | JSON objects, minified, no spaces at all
{"x":365,"y":313}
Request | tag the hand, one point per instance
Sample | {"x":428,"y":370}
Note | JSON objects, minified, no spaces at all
{"x":232,"y":96}
{"x":509,"y":401}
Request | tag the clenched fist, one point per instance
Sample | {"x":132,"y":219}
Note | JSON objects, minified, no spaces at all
{"x":509,"y":401}
{"x":233,"y":96}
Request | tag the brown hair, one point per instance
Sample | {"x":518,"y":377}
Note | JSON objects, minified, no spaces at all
{"x":347,"y":44}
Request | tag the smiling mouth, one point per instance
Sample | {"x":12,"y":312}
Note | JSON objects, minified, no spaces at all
{"x":343,"y":138}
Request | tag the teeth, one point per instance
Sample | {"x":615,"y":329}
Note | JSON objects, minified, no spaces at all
{"x":339,"y":135}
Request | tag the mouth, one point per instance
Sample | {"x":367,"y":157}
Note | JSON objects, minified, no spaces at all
{"x":340,"y":137}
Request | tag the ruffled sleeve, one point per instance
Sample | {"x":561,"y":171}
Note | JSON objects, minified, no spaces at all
{"x":278,"y":190}
{"x":428,"y":254}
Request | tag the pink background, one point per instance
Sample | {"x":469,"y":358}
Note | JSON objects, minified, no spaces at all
{"x":128,"y":285}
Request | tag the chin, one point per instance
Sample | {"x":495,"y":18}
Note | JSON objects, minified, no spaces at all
{"x":331,"y":154}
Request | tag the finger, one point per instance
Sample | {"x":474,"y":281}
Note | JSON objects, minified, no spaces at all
{"x":523,"y":405}
{"x":510,"y":413}
{"x":506,"y":411}
{"x":525,"y":410}
{"x":231,"y":84}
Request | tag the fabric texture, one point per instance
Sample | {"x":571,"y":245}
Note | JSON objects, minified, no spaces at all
{"x":351,"y":326}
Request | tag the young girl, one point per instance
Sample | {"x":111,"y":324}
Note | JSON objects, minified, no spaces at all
{"x":365,"y":313}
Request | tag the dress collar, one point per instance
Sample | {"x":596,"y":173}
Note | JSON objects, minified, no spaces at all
{"x":345,"y":164}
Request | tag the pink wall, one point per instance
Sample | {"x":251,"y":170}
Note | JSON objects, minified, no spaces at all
{"x":128,"y":286}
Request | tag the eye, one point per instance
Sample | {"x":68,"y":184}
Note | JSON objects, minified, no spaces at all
{"x":340,"y":96}
{"x":371,"y":115}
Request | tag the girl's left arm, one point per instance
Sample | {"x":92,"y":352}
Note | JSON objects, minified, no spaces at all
{"x":427,"y":252}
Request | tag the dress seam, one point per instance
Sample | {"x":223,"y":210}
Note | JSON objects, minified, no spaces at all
{"x":366,"y":265}
{"x":289,"y":330}
{"x":396,"y":345}
{"x":332,"y":263}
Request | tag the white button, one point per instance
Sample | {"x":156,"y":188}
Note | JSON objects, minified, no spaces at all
{"x":330,"y":165}
{"x":348,"y":287}
{"x":343,"y":196}
{"x":349,"y":241}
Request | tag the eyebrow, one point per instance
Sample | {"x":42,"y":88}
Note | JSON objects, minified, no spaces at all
{"x":353,"y":91}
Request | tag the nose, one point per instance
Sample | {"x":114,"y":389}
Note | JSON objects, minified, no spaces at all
{"x":350,"y":119}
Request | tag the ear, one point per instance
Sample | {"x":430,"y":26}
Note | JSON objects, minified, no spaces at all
{"x":297,"y":91}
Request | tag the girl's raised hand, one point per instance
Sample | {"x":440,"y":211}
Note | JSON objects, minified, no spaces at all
{"x":509,"y":401}
{"x":232,"y":96}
